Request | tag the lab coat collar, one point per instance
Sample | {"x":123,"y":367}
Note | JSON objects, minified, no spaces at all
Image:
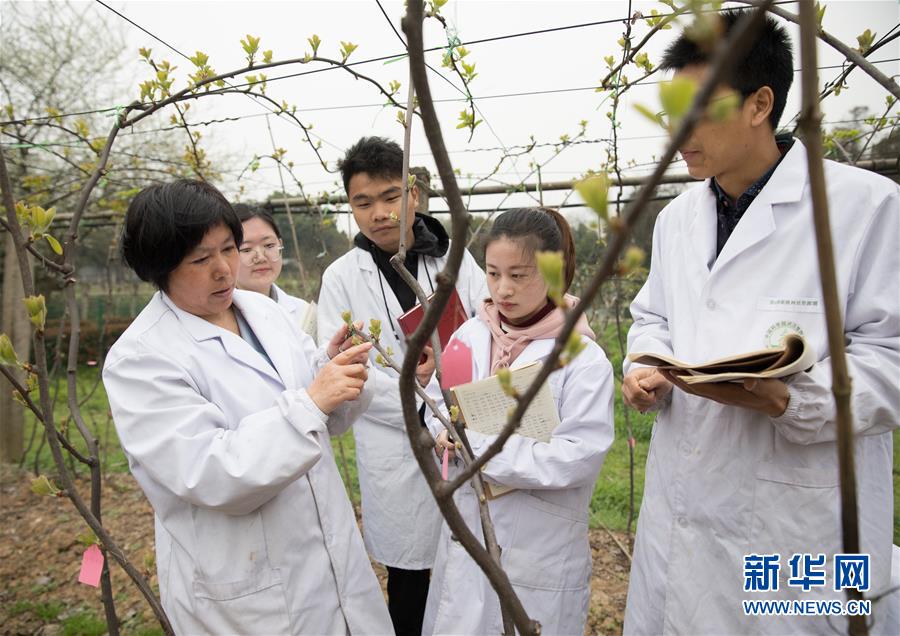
{"x":236,"y":347}
{"x":261,"y":318}
{"x":758,"y":223}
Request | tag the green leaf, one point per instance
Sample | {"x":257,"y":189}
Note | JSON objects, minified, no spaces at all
{"x":347,"y":317}
{"x":865,"y":39}
{"x":656,"y":118}
{"x":634,"y":259}
{"x":54,"y":244}
{"x":676,"y":96}
{"x":314,"y":42}
{"x":594,"y":191}
{"x":375,"y":328}
{"x":199,"y":59}
{"x":504,"y":377}
{"x":722,"y":108}
{"x":550,"y":265}
{"x":642,"y":60}
{"x":44,"y":487}
{"x":820,"y":14}
{"x":37,"y":310}
{"x":574,"y":346}
{"x":250,"y":45}
{"x":267,"y":56}
{"x":87,"y":538}
{"x":8,"y":355}
{"x":346,"y":49}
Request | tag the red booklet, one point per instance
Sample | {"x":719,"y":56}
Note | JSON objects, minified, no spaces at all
{"x":452,"y":319}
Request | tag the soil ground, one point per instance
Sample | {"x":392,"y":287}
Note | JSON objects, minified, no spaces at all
{"x":40,"y":557}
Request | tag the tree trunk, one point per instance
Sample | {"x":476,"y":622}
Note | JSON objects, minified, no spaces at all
{"x":14,"y":323}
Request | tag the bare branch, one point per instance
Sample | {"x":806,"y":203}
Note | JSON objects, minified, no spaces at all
{"x":810,"y":124}
{"x":446,"y":280}
{"x":404,"y":197}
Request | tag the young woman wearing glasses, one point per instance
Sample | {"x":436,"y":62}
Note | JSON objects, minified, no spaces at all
{"x":261,"y":264}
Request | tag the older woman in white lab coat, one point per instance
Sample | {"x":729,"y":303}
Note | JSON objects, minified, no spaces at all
{"x":224,"y":409}
{"x":261,"y":261}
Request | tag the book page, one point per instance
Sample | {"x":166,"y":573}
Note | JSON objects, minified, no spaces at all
{"x":486,"y":407}
{"x":794,"y":356}
{"x":798,"y":356}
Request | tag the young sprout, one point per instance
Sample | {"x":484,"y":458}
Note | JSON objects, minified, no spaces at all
{"x":375,"y":329}
{"x":550,"y":265}
{"x":504,"y":376}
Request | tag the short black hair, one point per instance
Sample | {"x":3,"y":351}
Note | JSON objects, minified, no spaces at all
{"x":768,"y":62}
{"x":166,"y":221}
{"x":374,"y":156}
{"x":246,"y":212}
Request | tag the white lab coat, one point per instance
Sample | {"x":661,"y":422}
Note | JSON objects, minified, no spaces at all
{"x":723,"y":482}
{"x":303,"y":313}
{"x":542,"y":527}
{"x":254,"y":531}
{"x":401,"y":521}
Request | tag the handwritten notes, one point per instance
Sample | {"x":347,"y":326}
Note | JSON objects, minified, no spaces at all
{"x":486,"y":407}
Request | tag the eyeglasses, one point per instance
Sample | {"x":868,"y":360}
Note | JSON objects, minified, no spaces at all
{"x":270,"y":252}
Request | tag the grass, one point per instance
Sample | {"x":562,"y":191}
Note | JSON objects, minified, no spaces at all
{"x":609,"y":503}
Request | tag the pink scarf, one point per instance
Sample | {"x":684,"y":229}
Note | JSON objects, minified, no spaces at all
{"x":506,"y":345}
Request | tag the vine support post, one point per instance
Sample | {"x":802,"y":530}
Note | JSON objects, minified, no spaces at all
{"x":810,"y":125}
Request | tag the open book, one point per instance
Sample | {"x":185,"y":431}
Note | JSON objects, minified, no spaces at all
{"x":486,"y":408}
{"x":793,"y":356}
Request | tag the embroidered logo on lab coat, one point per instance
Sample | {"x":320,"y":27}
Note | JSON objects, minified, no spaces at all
{"x":776,"y":332}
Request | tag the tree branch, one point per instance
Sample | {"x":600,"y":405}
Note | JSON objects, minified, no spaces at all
{"x":810,"y":124}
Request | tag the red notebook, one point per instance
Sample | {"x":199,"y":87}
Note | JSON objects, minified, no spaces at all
{"x":452,"y":319}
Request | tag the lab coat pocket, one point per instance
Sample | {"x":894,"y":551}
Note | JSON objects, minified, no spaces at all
{"x":253,"y":605}
{"x":550,"y":549}
{"x":795,"y":509}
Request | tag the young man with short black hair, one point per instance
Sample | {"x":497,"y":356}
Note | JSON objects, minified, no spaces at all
{"x":748,"y":470}
{"x":401,"y":521}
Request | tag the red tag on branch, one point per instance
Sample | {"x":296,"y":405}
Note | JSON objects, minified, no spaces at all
{"x":91,"y":566}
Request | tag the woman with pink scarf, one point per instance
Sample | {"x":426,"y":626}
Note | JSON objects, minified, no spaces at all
{"x":541,"y":525}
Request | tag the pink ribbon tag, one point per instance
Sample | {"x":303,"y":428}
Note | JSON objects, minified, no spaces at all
{"x":445,"y":464}
{"x":456,"y":365}
{"x":631,"y":442}
{"x":91,"y":566}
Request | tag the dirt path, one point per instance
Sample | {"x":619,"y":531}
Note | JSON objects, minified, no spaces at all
{"x":40,"y":557}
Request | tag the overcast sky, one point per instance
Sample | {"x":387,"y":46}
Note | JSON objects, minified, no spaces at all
{"x":563,"y":65}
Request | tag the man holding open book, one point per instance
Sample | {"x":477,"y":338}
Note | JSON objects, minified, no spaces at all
{"x":746,"y":472}
{"x":401,"y":521}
